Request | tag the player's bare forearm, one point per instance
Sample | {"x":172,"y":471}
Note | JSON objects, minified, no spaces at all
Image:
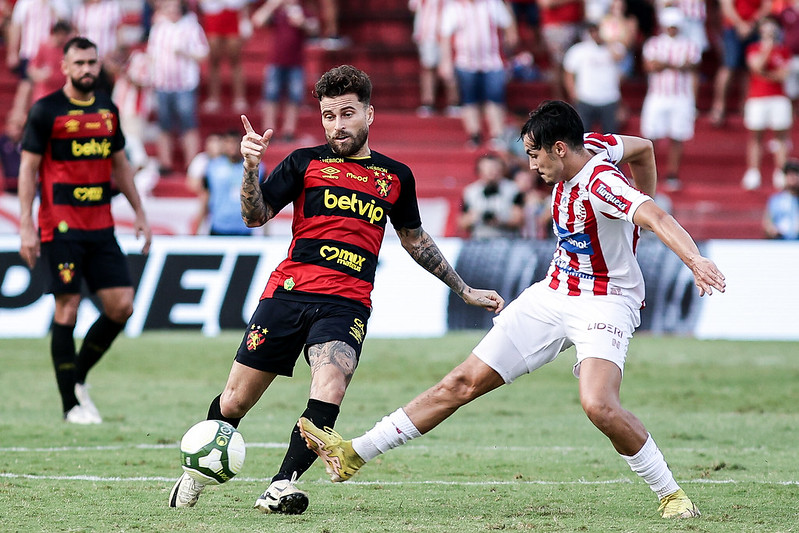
{"x":424,"y":251}
{"x":706,"y":275}
{"x":254,"y":211}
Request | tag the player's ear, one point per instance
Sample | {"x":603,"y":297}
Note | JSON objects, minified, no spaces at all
{"x":370,"y":114}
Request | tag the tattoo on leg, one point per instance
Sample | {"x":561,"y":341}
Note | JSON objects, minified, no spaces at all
{"x":336,"y":353}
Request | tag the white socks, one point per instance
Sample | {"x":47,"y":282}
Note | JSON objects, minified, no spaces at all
{"x":651,"y":466}
{"x":393,"y":430}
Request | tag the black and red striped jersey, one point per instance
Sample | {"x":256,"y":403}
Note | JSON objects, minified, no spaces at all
{"x":341,"y":206}
{"x":76,"y":141}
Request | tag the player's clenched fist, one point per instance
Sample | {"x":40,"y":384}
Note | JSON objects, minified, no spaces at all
{"x":253,"y":145}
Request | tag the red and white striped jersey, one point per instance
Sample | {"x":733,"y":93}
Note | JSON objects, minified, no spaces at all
{"x":170,"y":47}
{"x":592,"y":217}
{"x":426,"y":19}
{"x":99,"y":22}
{"x":675,"y":52}
{"x":35,"y":18}
{"x":608,"y":143}
{"x":474,"y":27}
{"x":132,"y":93}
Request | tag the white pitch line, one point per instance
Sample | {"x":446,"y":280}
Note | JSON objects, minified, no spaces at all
{"x":283,"y":445}
{"x":103,"y":479}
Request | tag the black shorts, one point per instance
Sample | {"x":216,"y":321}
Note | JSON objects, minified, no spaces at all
{"x":100,"y":262}
{"x":280,"y":328}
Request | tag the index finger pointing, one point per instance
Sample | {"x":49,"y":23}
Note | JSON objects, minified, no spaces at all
{"x":247,"y":125}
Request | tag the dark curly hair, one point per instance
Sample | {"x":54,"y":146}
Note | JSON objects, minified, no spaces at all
{"x":341,"y":80}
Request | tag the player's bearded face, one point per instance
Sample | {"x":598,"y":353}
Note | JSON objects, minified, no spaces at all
{"x":85,"y":83}
{"x":347,"y":143}
{"x":346,"y":122}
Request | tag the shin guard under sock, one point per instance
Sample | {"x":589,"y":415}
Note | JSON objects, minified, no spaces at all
{"x":95,"y":344}
{"x":215,"y":413}
{"x":62,"y":351}
{"x":298,"y":457}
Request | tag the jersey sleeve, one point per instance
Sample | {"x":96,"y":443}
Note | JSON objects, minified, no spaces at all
{"x":611,"y":144}
{"x":611,"y":195}
{"x":405,"y":212}
{"x":38,"y":128}
{"x":285,"y":183}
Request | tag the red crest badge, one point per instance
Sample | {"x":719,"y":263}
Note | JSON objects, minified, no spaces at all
{"x":383,"y":183}
{"x":255,"y":337}
{"x":66,"y":271}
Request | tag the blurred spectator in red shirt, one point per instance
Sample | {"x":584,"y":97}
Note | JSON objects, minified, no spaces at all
{"x":227,"y":26}
{"x":767,"y":107}
{"x":44,"y":69}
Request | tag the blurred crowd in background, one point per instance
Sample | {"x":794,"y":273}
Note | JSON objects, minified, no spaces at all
{"x":168,"y":62}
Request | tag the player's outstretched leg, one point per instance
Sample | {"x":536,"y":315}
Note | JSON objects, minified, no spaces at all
{"x":186,"y":492}
{"x":678,"y":505}
{"x":341,"y":460}
{"x":283,"y":497}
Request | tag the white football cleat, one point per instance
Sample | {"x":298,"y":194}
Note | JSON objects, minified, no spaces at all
{"x":82,"y":394}
{"x":80,"y":415}
{"x":186,"y":492}
{"x":283,"y":497}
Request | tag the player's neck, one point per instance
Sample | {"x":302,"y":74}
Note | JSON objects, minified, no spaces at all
{"x":74,"y":94}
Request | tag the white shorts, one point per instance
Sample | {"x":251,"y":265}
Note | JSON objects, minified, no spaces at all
{"x":429,"y":54}
{"x":768,"y":113}
{"x":791,"y":84}
{"x":668,"y":118}
{"x":541,"y":323}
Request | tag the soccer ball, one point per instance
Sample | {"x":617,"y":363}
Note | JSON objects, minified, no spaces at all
{"x":212,"y":452}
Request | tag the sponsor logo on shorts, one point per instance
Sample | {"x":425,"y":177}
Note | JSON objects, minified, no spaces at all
{"x":343,"y":257}
{"x":358,"y":330}
{"x":256,"y":337}
{"x":610,"y":328}
{"x":66,"y":271}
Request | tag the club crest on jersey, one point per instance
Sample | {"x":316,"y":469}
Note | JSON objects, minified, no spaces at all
{"x":255,"y":337}
{"x":383,"y":182}
{"x":66,"y":271}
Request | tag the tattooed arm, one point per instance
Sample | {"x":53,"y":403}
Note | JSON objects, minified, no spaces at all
{"x":254,"y":211}
{"x":424,"y":251}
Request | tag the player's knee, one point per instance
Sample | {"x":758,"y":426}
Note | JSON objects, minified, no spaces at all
{"x":232,"y":405}
{"x":600,"y":412}
{"x":457,"y":387}
{"x":121,"y":312}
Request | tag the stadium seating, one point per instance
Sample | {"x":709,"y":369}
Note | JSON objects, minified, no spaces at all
{"x":711,"y":204}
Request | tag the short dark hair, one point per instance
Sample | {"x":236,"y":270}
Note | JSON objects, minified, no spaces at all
{"x":81,"y":43}
{"x":61,"y":26}
{"x":344,"y":79}
{"x":552,"y":121}
{"x":792,"y":165}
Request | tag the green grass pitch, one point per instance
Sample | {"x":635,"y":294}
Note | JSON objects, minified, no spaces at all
{"x":523,"y":458}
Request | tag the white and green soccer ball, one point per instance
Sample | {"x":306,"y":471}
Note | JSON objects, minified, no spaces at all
{"x":212,"y":452}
